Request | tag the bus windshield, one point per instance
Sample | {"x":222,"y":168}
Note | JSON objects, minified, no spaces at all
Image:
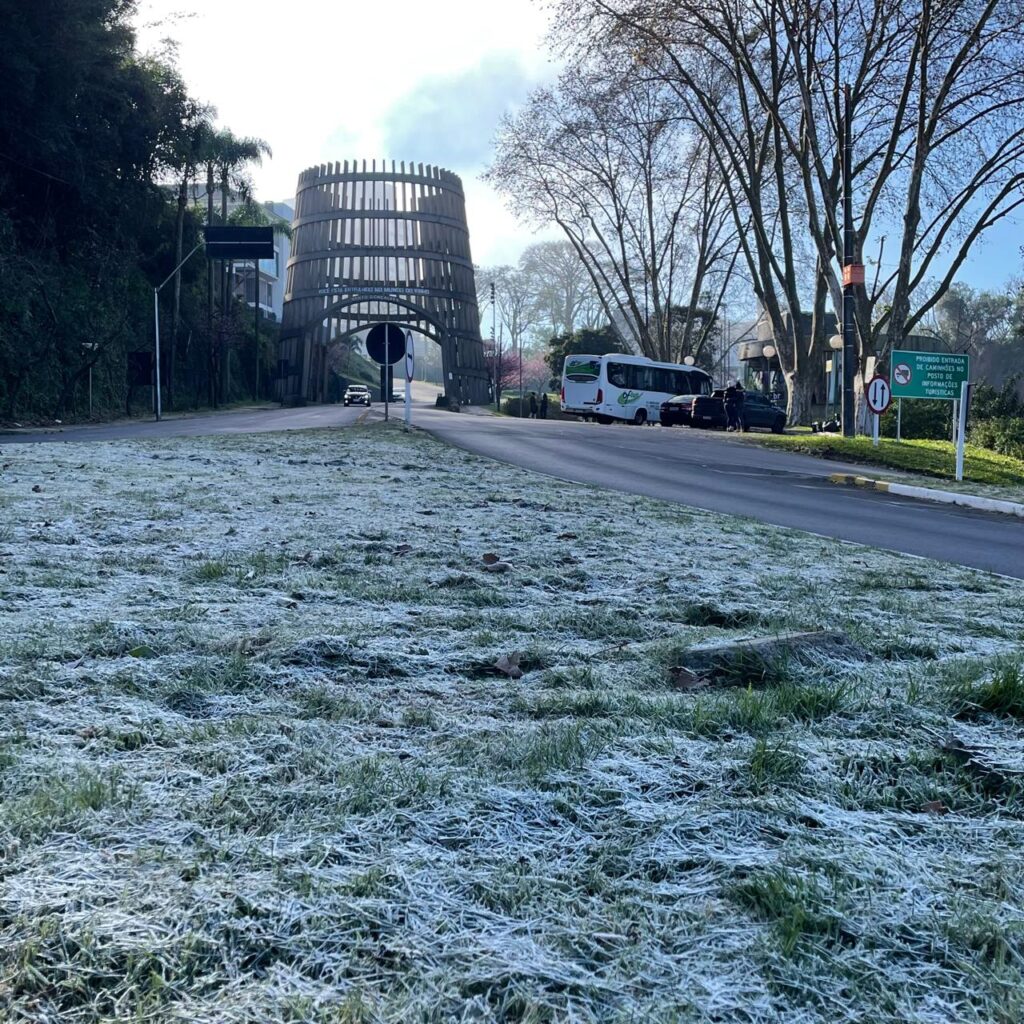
{"x":580,"y":369}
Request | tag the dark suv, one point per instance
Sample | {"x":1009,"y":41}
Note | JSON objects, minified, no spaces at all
{"x":357,"y":394}
{"x":758,"y":411}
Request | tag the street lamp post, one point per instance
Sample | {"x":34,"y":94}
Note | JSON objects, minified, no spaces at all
{"x":156,"y":322}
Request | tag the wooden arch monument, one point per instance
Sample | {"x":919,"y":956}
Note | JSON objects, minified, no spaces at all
{"x":375,"y":245}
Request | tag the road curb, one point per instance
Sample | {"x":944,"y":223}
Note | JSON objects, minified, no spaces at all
{"x":1011,"y":508}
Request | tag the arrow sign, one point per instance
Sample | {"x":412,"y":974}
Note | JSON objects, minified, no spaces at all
{"x":878,"y":394}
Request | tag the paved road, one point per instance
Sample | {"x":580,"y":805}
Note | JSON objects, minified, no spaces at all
{"x":711,"y":471}
{"x":692,"y":467}
{"x":243,"y":421}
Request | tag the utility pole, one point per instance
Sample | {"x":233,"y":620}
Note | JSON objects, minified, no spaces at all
{"x":497,"y":353}
{"x":853,"y":272}
{"x":157,"y":404}
{"x":256,"y":324}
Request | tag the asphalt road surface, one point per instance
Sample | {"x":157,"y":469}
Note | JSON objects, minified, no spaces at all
{"x":712,"y":471}
{"x":241,"y":421}
{"x":693,"y":467}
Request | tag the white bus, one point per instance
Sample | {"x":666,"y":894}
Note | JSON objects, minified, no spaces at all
{"x":630,"y":388}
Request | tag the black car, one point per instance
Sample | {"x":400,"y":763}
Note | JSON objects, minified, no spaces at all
{"x":758,"y":411}
{"x":676,"y":411}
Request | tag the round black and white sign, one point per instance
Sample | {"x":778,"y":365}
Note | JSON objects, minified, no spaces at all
{"x":879,"y":395}
{"x":410,"y":357}
{"x":901,"y":374}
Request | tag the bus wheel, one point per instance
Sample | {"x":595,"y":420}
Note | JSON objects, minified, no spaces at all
{"x":640,"y":418}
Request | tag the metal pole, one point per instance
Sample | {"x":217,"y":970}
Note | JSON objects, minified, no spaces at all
{"x":497,"y":352}
{"x":90,"y":392}
{"x":899,"y":420}
{"x":520,"y":376}
{"x":408,"y":377}
{"x":962,"y":432}
{"x":849,"y":324}
{"x":256,"y":324}
{"x":156,"y":324}
{"x":874,"y":429}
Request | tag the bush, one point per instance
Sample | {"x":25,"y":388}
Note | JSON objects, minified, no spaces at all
{"x":1002,"y":434}
{"x":989,"y":404}
{"x":923,"y":420}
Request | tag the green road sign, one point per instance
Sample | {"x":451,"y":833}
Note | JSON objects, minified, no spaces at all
{"x":928,"y":374}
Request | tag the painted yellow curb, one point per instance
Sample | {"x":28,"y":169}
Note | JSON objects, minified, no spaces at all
{"x":928,"y":494}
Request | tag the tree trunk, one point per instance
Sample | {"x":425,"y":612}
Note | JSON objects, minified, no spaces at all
{"x":798,"y":407}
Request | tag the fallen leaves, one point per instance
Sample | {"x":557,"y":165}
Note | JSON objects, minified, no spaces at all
{"x":682,"y":678}
{"x":508,"y":664}
{"x":934,"y":807}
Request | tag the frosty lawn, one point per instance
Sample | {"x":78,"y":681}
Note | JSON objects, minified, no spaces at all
{"x":256,"y":762}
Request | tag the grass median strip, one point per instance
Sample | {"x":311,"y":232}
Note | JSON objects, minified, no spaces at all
{"x":931,"y":463}
{"x":262,"y":756}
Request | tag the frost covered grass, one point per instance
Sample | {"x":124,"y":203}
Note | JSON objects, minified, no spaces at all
{"x":258,"y":761}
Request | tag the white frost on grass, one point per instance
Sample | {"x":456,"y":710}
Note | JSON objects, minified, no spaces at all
{"x":256,"y":764}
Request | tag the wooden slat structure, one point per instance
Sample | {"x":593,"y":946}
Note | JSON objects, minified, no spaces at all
{"x":374,"y":244}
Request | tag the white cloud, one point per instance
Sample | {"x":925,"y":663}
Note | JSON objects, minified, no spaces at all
{"x":324,"y":81}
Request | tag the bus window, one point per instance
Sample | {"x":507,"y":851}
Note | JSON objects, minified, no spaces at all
{"x":617,"y":375}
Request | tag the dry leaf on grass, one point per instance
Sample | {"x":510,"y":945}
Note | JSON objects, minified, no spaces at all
{"x":402,"y":549}
{"x":934,"y":807}
{"x":683,"y":678}
{"x":490,"y":558}
{"x":508,"y":664}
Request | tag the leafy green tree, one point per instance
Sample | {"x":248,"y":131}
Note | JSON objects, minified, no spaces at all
{"x":594,"y":343}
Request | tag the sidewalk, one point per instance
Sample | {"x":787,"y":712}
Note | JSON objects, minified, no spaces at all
{"x":58,"y":427}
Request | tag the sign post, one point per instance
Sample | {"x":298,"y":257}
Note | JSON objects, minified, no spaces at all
{"x":410,"y":366}
{"x":961,"y":434}
{"x":879,"y":395}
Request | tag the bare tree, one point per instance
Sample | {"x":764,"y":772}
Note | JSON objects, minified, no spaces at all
{"x":607,"y":159}
{"x":938,"y":125}
{"x":515,"y":299}
{"x":564,"y":293}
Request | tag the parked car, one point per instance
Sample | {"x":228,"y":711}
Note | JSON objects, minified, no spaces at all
{"x":357,"y":394}
{"x":708,"y":410}
{"x":758,"y":411}
{"x":676,"y":411}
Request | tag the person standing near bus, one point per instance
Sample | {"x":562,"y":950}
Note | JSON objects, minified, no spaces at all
{"x":544,"y":406}
{"x":533,"y":405}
